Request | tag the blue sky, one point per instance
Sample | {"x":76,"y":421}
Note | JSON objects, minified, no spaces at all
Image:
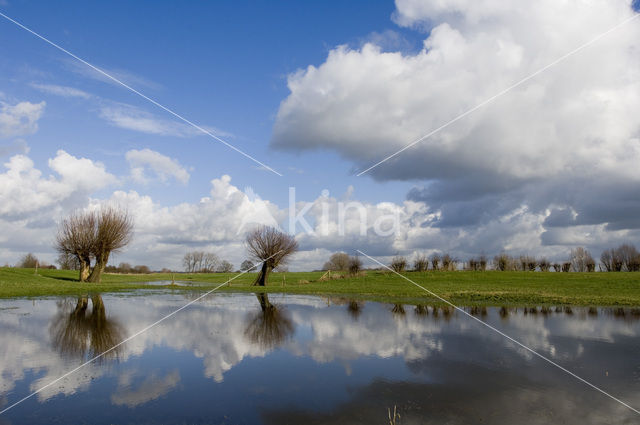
{"x":220,"y":64}
{"x":320,"y":91}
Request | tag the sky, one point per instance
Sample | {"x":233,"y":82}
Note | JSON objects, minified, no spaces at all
{"x":319,"y":92}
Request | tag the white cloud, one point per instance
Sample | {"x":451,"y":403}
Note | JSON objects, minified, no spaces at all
{"x":163,"y":167}
{"x":136,"y":119}
{"x":571,"y":129}
{"x":151,"y":388}
{"x":63,"y":91}
{"x":127,"y":77}
{"x":30,"y":205}
{"x":20,"y":119}
{"x":24,"y":190}
{"x":133,"y":118}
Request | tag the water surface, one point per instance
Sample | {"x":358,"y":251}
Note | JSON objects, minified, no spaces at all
{"x":248,"y":359}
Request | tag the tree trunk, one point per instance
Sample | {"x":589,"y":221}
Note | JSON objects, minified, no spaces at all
{"x":98,"y":268}
{"x":84,"y":268}
{"x":263,"y":276}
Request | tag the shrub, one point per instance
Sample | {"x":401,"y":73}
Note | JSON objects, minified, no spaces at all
{"x":355,"y":265}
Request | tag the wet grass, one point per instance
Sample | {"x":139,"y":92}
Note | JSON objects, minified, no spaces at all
{"x":463,"y":288}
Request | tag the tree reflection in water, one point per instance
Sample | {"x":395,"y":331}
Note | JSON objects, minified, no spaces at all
{"x":79,"y":333}
{"x":354,"y":308}
{"x":269,"y":327}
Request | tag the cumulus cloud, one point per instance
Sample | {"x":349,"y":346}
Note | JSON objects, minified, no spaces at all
{"x":30,"y":205}
{"x":20,"y":119}
{"x":24,"y":190}
{"x":567,"y":139}
{"x":162,"y":167}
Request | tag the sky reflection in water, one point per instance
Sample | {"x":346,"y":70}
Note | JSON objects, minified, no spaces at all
{"x":249,"y":359}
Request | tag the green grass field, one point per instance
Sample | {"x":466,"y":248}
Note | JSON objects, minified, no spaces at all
{"x":461,"y":287}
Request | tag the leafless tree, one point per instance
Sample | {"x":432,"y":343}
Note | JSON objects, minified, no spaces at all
{"x":29,"y":261}
{"x":544,"y":264}
{"x":449,"y":263}
{"x":210,"y":263}
{"x":580,"y":259}
{"x":556,"y":267}
{"x":629,"y":256}
{"x":114,"y":231}
{"x":76,"y":237}
{"x":271,"y":247}
{"x":477,"y":264}
{"x":200,"y":262}
{"x":566,"y":266}
{"x":503,"y":262}
{"x":224,"y":267}
{"x":67,"y":261}
{"x":482,"y":262}
{"x":398,"y":264}
{"x":435,"y":261}
{"x":611,"y":261}
{"x":421,"y":263}
{"x":338,"y":261}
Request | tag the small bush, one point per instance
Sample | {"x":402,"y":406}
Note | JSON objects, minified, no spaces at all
{"x":355,"y":265}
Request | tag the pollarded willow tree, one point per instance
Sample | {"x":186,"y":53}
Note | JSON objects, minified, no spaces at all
{"x":76,"y":237}
{"x":94,"y":234}
{"x":271,"y":247}
{"x":114,"y":231}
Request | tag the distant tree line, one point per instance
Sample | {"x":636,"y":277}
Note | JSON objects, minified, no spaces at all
{"x":623,"y":258}
{"x":128,"y":268}
{"x":205,"y":262}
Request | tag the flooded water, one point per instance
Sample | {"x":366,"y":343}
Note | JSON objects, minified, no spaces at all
{"x":247,"y":359}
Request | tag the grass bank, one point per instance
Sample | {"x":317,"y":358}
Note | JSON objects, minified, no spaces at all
{"x":489,"y":288}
